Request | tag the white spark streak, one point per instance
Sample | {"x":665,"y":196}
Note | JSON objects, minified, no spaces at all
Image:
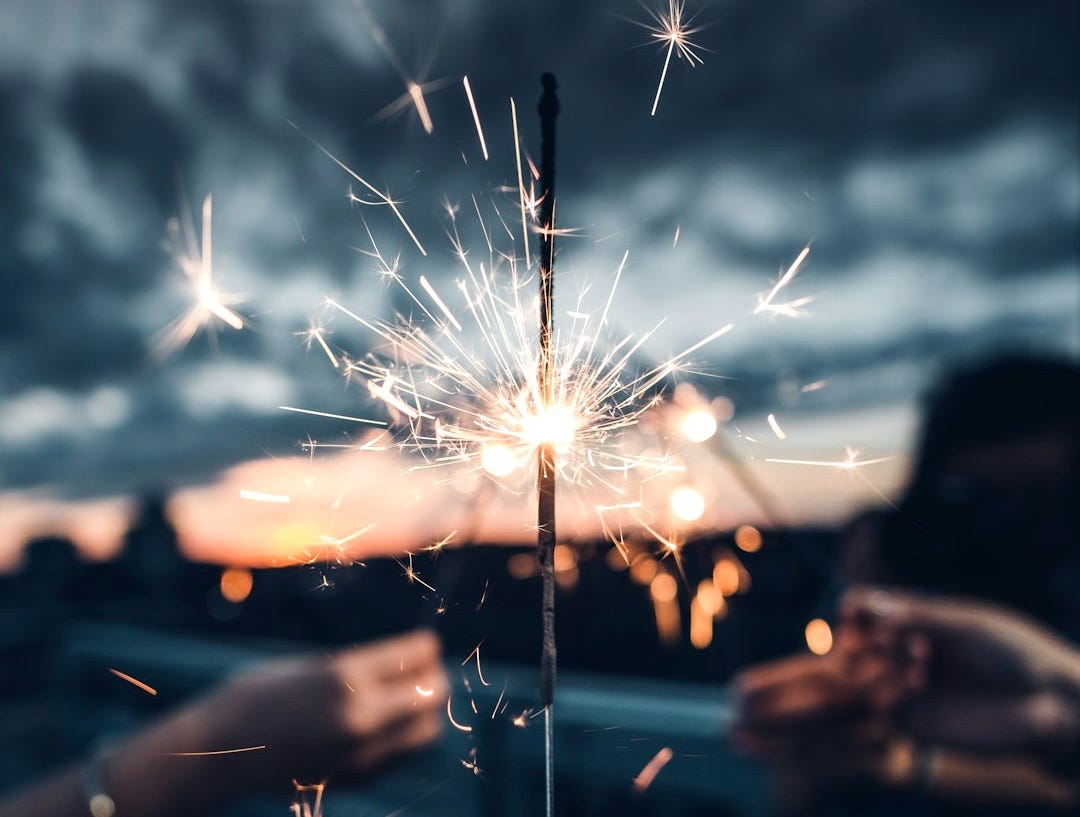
{"x":476,"y":116}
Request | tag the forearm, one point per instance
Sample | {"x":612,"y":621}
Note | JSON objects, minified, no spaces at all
{"x":967,"y":778}
{"x":143,"y":776}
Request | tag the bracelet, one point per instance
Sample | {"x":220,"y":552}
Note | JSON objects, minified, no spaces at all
{"x":98,"y":801}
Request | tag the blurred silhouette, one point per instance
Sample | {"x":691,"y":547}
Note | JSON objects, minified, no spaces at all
{"x":991,"y":513}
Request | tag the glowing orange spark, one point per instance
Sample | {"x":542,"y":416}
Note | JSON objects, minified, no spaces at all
{"x":135,"y":681}
{"x":461,"y":727}
{"x":216,"y":752}
{"x":648,"y":774}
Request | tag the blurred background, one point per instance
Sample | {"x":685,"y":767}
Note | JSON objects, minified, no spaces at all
{"x":926,"y":152}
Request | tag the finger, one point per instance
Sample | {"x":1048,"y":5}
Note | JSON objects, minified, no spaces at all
{"x":380,"y":703}
{"x":405,"y":736}
{"x":764,"y":678}
{"x":804,"y":704}
{"x":403,"y":654}
{"x":1042,"y":722}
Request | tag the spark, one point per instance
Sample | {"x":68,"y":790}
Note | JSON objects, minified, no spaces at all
{"x":672,"y":29}
{"x":316,"y":333}
{"x":461,"y":727}
{"x":216,"y":752}
{"x":790,"y":309}
{"x":502,"y":694}
{"x":675,"y":240}
{"x":521,"y":181}
{"x":435,"y":547}
{"x":427,"y":693}
{"x":301,"y":808}
{"x":775,"y":426}
{"x":479,"y":671}
{"x":194,"y":257}
{"x":259,"y":496}
{"x":412,"y":576}
{"x":344,"y":540}
{"x":464,"y":387}
{"x":332,"y":416}
{"x":471,"y":764}
{"x":850,"y":462}
{"x":135,"y":681}
{"x":817,"y":385}
{"x":382,"y":197}
{"x":479,"y":604}
{"x":648,"y":774}
{"x":476,"y":116}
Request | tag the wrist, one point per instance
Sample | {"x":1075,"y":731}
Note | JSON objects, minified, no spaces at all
{"x":148,"y":774}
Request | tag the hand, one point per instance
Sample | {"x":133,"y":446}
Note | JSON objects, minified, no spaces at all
{"x":343,"y":715}
{"x":815,"y":715}
{"x":974,"y":675}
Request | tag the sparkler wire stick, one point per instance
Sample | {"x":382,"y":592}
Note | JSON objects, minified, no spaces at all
{"x":545,"y":475}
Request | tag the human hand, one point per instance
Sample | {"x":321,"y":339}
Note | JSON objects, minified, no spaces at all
{"x":813,"y":714}
{"x":342,"y":715}
{"x":973,"y":675}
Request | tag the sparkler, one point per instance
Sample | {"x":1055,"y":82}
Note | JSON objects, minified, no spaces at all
{"x":564,"y":400}
{"x":545,"y":474}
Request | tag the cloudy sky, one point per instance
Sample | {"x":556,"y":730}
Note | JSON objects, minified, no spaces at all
{"x":927,"y":150}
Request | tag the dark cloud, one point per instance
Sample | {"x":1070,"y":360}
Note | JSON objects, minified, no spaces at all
{"x":928,"y":149}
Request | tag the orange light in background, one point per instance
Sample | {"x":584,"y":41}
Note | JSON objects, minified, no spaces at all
{"x":643,"y":569}
{"x":687,"y":503}
{"x":498,"y":460}
{"x":522,"y":565}
{"x":726,"y":577}
{"x":701,"y":623}
{"x":615,"y":560}
{"x":236,"y":584}
{"x":663,"y":590}
{"x":711,"y":599}
{"x":748,"y":538}
{"x":699,"y":425}
{"x":723,"y":409}
{"x":566,"y":566}
{"x":565,"y":558}
{"x":818,"y":636}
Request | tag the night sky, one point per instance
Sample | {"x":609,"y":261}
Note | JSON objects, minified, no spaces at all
{"x":928,"y":151}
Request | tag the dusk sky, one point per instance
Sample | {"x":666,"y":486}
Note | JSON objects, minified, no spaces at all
{"x":926,"y":150}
